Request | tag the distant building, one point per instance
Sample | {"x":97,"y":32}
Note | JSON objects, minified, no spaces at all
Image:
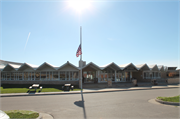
{"x":24,"y":73}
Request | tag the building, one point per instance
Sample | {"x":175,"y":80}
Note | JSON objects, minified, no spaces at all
{"x":24,"y":73}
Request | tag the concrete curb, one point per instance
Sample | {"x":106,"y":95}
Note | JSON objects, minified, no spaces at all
{"x":88,"y":91}
{"x":168,"y":103}
{"x":44,"y":116}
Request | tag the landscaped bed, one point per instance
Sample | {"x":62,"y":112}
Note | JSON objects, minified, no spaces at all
{"x":170,"y":99}
{"x":22,"y":114}
{"x":12,"y":88}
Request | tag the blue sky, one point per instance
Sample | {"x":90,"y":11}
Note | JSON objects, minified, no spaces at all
{"x":137,"y":31}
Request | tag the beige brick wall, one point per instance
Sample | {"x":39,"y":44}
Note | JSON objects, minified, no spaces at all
{"x":163,"y":74}
{"x":173,"y":80}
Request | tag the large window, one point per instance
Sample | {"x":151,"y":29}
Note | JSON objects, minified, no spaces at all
{"x":55,"y":75}
{"x":33,"y":75}
{"x":151,"y":75}
{"x":8,"y":76}
{"x":67,"y":75}
{"x":29,"y":76}
{"x":47,"y":76}
{"x":127,"y":75}
{"x":75,"y":75}
{"x":62,"y":75}
{"x":43,"y":75}
{"x":109,"y":75}
{"x":12,"y":76}
{"x":118,"y":76}
{"x":2,"y":76}
{"x":37,"y":76}
{"x":51,"y":75}
{"x":25,"y":75}
{"x":20,"y":75}
{"x":89,"y":76}
{"x":71,"y":75}
{"x":104,"y":76}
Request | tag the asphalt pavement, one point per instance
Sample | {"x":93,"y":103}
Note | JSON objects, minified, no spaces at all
{"x":95,"y":102}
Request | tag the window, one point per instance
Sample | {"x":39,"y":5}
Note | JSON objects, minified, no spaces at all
{"x":109,"y":75}
{"x":145,"y":75}
{"x":51,"y":76}
{"x":37,"y":76}
{"x":2,"y":76}
{"x":71,"y":75}
{"x":159,"y":75}
{"x":75,"y":75}
{"x":43,"y":75}
{"x":29,"y":76}
{"x":67,"y":75}
{"x":20,"y":75}
{"x":47,"y":78}
{"x":25,"y":75}
{"x":118,"y":76}
{"x":104,"y":76}
{"x":32,"y":75}
{"x":62,"y":75}
{"x":55,"y":75}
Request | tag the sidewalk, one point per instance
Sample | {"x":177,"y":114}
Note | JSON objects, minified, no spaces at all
{"x":92,"y":90}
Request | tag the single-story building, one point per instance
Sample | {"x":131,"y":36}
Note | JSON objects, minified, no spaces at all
{"x":24,"y":73}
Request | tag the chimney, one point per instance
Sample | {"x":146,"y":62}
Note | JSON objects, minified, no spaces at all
{"x":83,"y":63}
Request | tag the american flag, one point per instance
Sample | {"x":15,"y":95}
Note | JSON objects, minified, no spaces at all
{"x":79,"y":52}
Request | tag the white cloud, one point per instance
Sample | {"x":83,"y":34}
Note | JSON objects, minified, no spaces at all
{"x":27,"y":40}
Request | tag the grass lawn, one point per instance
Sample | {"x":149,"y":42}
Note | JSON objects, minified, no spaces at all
{"x":25,"y":88}
{"x":170,"y":99}
{"x":22,"y":114}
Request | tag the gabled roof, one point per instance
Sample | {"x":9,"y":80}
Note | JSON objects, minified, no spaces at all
{"x":2,"y":66}
{"x":160,"y":67}
{"x":27,"y":65}
{"x":165,"y":68}
{"x":112,"y":65}
{"x":68,"y":63}
{"x":153,"y":67}
{"x":10,"y":67}
{"x":45,"y":64}
{"x":140,"y":66}
{"x":127,"y":65}
{"x":92,"y":65}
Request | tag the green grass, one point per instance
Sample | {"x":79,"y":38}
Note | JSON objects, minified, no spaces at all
{"x":170,"y":99}
{"x":22,"y":114}
{"x":11,"y":88}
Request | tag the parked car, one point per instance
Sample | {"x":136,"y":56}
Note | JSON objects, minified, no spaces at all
{"x":3,"y":115}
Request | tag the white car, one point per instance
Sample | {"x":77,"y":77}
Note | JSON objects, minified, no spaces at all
{"x":3,"y":115}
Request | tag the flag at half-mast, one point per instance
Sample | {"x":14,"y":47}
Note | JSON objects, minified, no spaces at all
{"x":79,"y":51}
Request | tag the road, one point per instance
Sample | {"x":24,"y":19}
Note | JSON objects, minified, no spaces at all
{"x":107,"y":105}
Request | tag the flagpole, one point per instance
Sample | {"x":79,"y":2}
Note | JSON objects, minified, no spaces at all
{"x":81,"y":56}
